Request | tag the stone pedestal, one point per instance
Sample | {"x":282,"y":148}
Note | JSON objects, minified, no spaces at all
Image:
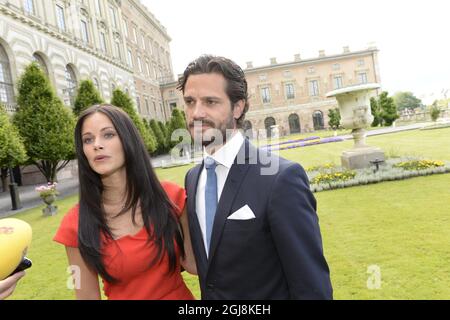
{"x":360,"y":158}
{"x":50,"y":211}
{"x":354,"y":107}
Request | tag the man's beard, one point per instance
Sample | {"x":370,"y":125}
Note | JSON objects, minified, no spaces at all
{"x":216,"y":135}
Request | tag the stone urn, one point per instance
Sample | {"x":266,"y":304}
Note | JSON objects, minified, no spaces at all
{"x":50,"y":209}
{"x":356,"y":115}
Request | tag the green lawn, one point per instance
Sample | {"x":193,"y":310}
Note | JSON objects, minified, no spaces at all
{"x":402,"y":227}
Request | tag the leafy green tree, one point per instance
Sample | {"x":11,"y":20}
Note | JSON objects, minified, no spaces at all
{"x":335,"y":118}
{"x":122,"y":100}
{"x":87,"y":96}
{"x":388,"y":108}
{"x":164,"y":131}
{"x":376,"y":112}
{"x":152,"y":134}
{"x":177,"y":121}
{"x":12,"y":150}
{"x":159,"y":136}
{"x":407,"y":100}
{"x":435,"y":111}
{"x":44,"y":123}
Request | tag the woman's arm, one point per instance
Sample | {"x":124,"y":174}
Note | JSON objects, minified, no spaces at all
{"x":85,"y":279}
{"x":8,"y":285}
{"x":188,"y":263}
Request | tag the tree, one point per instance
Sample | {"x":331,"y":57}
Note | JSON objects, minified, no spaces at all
{"x":407,"y":100}
{"x":87,"y":96}
{"x":159,"y":136}
{"x":435,"y":111}
{"x":177,"y":121}
{"x":44,"y":123}
{"x":388,"y":108}
{"x":164,"y":131}
{"x":335,"y":118}
{"x":376,"y":113}
{"x":121,"y":100}
{"x":12,"y":150}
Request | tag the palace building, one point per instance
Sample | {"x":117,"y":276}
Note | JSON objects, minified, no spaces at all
{"x":292,"y":95}
{"x":115,"y":43}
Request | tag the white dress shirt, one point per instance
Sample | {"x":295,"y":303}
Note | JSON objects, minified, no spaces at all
{"x":224,"y":158}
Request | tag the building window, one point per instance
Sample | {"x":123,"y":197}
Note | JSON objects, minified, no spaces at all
{"x":336,"y":66}
{"x":103,"y":42}
{"x":143,"y":42}
{"x":135,"y":35}
{"x":269,"y":123}
{"x":71,"y":85}
{"x":147,"y":67}
{"x":138,"y":103}
{"x":118,"y":51}
{"x":6,"y":83}
{"x":289,"y":87}
{"x":173,"y":106}
{"x":318,"y":120}
{"x":28,"y":6}
{"x":60,"y":18}
{"x":37,"y":58}
{"x":98,"y":7}
{"x":294,"y":123}
{"x":265,"y":95}
{"x":97,"y":85}
{"x":311,"y":70}
{"x":338,"y":82}
{"x":150,"y":46}
{"x":361,"y":62}
{"x":141,"y":70}
{"x":362,"y":77}
{"x":84,"y":31}
{"x":314,"y":88}
{"x":112,"y":11}
{"x":147,"y":106}
{"x":125,"y":28}
{"x":130,"y":58}
{"x":248,"y":132}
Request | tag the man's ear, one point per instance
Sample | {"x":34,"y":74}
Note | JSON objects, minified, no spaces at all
{"x":238,"y":109}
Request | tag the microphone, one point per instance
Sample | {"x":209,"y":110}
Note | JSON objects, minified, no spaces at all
{"x":15,"y":238}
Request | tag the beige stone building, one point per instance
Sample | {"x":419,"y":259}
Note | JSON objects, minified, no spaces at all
{"x":148,"y":54}
{"x":114,"y":43}
{"x":292,"y":95}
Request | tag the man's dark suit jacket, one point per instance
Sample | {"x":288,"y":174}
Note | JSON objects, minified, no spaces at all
{"x":279,"y":254}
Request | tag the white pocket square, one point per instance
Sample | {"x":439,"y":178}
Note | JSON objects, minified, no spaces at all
{"x":244,"y":213}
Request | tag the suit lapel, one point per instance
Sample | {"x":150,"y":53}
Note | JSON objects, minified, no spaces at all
{"x":234,"y":180}
{"x":196,"y":231}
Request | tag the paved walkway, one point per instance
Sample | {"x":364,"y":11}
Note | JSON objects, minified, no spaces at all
{"x":30,"y":198}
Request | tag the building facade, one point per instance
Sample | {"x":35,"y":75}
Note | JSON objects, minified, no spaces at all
{"x":115,"y":43}
{"x":292,"y":96}
{"x":148,"y":55}
{"x":71,"y":40}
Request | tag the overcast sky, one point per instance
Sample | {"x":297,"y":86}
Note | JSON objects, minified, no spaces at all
{"x":412,"y":36}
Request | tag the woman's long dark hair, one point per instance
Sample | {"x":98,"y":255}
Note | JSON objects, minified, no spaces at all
{"x":143,"y":188}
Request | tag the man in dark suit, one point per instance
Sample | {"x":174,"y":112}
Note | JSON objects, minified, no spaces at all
{"x":252,"y":216}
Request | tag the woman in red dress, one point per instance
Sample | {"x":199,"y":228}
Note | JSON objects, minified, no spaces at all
{"x":128,"y":228}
